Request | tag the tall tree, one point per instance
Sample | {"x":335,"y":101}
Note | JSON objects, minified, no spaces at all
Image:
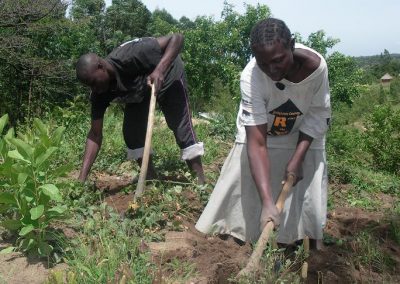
{"x":344,"y":78}
{"x":30,"y":72}
{"x":86,"y":8}
{"x":319,"y":42}
{"x":162,"y":23}
{"x":90,"y":16}
{"x":125,"y":19}
{"x":217,"y":51}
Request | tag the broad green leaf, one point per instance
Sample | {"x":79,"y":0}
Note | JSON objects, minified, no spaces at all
{"x":5,"y":207}
{"x":26,"y":230}
{"x":10,"y":134}
{"x":7,"y":198}
{"x":40,"y":126}
{"x":11,"y":225}
{"x":42,"y":158}
{"x":37,"y":212}
{"x":57,"y":135}
{"x":7,"y":250}
{"x":58,"y":209}
{"x":16,"y":155}
{"x":51,"y":191}
{"x":24,"y":148}
{"x":39,"y":150}
{"x":44,"y":249}
{"x":22,"y":178}
{"x":3,"y":122}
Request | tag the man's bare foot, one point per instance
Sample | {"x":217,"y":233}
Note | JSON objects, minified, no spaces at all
{"x":196,"y":166}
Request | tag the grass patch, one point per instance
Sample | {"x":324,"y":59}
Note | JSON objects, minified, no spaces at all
{"x":367,"y":253}
{"x":107,"y":250}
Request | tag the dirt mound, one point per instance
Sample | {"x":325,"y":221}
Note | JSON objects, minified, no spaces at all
{"x":15,"y":268}
{"x":216,"y":259}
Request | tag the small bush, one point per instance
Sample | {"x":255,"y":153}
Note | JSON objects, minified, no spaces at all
{"x":382,"y":138}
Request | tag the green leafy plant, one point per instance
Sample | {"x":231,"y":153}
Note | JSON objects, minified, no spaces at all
{"x":29,"y":198}
{"x":382,"y":138}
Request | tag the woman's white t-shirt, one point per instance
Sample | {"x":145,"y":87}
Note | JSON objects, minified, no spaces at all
{"x":287,"y":108}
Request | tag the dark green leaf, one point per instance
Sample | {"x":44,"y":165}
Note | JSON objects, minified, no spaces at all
{"x":44,"y":249}
{"x":11,"y":225}
{"x":27,"y":244}
{"x":7,"y":198}
{"x":2,"y":143}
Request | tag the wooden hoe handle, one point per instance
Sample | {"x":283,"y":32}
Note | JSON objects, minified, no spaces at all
{"x":255,"y":257}
{"x":147,"y":145}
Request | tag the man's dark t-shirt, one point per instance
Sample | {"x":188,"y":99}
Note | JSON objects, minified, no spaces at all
{"x":133,"y":62}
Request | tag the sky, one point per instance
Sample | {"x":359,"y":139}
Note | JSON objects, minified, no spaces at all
{"x":364,"y":27}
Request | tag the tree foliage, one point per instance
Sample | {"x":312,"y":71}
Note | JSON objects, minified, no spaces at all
{"x":162,"y":23}
{"x":320,"y":42}
{"x":39,"y":45}
{"x":30,"y":73}
{"x":81,"y":9}
{"x":344,"y":77}
{"x":217,"y":51}
{"x":124,"y":20}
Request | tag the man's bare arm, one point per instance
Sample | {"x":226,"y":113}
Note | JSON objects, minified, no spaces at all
{"x":93,"y":145}
{"x":171,"y":45}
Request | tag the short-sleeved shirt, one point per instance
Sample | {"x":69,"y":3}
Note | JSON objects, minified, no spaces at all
{"x":133,"y":61}
{"x":286,"y":107}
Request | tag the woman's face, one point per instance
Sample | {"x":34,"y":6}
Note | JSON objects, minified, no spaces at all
{"x":275,"y":60}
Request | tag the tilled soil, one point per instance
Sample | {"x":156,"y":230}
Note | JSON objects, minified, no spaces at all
{"x":219,"y":259}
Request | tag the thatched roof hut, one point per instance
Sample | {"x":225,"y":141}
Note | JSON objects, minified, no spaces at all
{"x":386,"y":78}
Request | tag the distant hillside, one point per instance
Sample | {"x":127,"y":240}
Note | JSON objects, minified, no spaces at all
{"x":369,"y":61}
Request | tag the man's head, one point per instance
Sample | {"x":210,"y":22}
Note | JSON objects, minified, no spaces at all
{"x":91,"y":70}
{"x":272,"y":46}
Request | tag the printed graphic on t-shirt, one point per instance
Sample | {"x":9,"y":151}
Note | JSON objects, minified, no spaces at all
{"x":284,"y":118}
{"x":130,"y":41}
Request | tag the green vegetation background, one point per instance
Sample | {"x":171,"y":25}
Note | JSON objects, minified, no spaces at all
{"x":38,"y":48}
